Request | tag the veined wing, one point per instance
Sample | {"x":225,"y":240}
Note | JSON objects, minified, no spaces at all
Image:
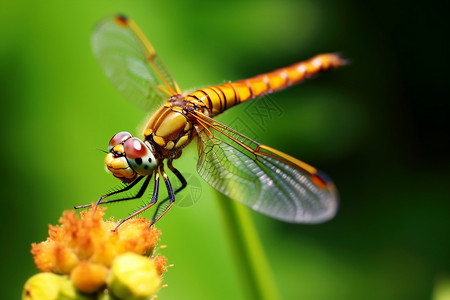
{"x":264,"y":179}
{"x":131,"y":63}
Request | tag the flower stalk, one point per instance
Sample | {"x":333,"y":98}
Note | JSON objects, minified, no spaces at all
{"x":254,"y":268}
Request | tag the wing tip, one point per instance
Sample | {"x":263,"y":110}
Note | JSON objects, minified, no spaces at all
{"x":325,"y":215}
{"x":331,"y":203}
{"x":121,"y":19}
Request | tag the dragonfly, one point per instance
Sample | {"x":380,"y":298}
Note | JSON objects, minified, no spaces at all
{"x":264,"y":179}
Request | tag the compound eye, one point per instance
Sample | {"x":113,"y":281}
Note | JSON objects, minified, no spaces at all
{"x":118,"y":139}
{"x":139,"y":156}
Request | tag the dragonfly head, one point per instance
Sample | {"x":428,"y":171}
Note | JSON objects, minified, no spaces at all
{"x":129,"y":157}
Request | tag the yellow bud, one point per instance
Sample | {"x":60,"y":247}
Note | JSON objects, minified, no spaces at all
{"x":133,"y":277}
{"x":49,"y":286}
{"x":89,"y":277}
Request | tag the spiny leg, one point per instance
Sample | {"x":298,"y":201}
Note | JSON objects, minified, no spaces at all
{"x":183,"y":185}
{"x":170,"y":192}
{"x":178,"y":174}
{"x":126,"y":188}
{"x":157,"y":213}
{"x":152,"y":202}
{"x":137,"y":196}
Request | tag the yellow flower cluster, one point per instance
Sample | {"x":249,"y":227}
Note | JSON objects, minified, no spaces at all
{"x":94,"y":258}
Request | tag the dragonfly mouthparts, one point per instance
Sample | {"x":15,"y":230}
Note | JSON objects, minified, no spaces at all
{"x":117,"y":153}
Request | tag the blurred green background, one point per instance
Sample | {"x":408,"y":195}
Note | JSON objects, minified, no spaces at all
{"x":377,"y":127}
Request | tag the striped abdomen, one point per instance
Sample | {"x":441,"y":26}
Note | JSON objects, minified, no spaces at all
{"x":221,"y":97}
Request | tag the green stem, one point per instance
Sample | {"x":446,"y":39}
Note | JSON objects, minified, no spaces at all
{"x":254,"y":269}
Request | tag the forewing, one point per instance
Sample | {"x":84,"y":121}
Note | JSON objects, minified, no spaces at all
{"x":264,"y":179}
{"x":131,"y":63}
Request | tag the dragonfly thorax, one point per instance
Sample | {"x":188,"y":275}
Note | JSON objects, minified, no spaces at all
{"x":170,"y":129}
{"x":129,"y":156}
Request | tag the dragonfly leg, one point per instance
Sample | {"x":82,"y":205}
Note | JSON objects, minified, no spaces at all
{"x":179,"y":176}
{"x":169,"y":191}
{"x":126,"y":188}
{"x":183,"y":185}
{"x":142,"y":209}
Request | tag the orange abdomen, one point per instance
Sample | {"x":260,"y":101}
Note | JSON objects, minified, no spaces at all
{"x":219,"y":98}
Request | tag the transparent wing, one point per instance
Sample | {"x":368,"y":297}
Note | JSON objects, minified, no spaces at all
{"x":131,"y":63}
{"x":264,"y":179}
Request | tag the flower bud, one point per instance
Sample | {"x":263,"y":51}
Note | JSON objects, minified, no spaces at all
{"x":133,"y":277}
{"x":89,"y":277}
{"x":49,"y":286}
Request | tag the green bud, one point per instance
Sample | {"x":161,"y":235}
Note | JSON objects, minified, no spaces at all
{"x":133,"y":277}
{"x":49,"y":286}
